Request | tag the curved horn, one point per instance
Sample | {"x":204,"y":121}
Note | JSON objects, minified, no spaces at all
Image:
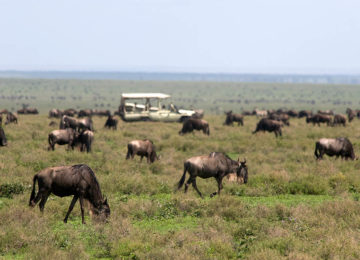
{"x":238,"y":159}
{"x":244,"y":161}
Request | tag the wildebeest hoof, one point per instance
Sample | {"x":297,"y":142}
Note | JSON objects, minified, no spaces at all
{"x":213,"y":194}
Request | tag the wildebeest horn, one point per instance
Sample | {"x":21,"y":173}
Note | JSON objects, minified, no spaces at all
{"x":244,"y":161}
{"x":238,"y":159}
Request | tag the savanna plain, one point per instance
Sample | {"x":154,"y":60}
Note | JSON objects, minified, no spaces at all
{"x":293,"y":207}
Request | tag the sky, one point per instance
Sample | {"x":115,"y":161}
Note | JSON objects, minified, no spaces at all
{"x":201,"y":36}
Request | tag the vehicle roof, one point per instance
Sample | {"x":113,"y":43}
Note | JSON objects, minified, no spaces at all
{"x":144,"y":95}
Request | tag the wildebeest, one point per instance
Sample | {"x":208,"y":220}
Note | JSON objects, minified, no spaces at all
{"x":192,"y":124}
{"x":3,"y":140}
{"x":57,"y":113}
{"x":247,"y":113}
{"x":85,"y":113}
{"x":338,"y":147}
{"x":281,"y":117}
{"x":63,"y":136}
{"x":231,"y":118}
{"x":70,"y":112}
{"x":101,"y":112}
{"x":142,"y":148}
{"x":351,"y":114}
{"x":216,"y":165}
{"x":111,"y":122}
{"x":339,"y":120}
{"x":26,"y":111}
{"x":266,"y":124}
{"x":85,"y":140}
{"x":78,"y":180}
{"x":76,"y":124}
{"x":292,"y":113}
{"x":305,"y":113}
{"x":11,"y":118}
{"x":319,"y":118}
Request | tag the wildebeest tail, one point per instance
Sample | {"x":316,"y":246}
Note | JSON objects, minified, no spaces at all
{"x":32,"y":196}
{"x":129,"y":152}
{"x":317,"y":145}
{"x":182,"y":180}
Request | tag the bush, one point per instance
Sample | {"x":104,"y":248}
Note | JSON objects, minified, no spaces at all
{"x":7,"y":190}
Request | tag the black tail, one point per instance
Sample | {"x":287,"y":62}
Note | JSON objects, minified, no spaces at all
{"x":316,"y":150}
{"x":129,"y":152}
{"x":182,"y":180}
{"x":32,"y":196}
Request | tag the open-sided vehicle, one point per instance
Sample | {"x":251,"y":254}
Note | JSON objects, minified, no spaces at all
{"x":150,"y":107}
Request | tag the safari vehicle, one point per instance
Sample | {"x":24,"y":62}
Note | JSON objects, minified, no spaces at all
{"x":151,"y":107}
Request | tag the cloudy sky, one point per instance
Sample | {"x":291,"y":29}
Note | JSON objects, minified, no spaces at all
{"x":229,"y":36}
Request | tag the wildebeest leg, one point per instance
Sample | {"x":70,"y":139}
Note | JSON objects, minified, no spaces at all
{"x":219,"y":181}
{"x":190,"y":180}
{"x":196,"y":188}
{"x":37,"y":198}
{"x":75,"y":198}
{"x":44,"y":198}
{"x":141,"y":158}
{"x":82,"y":209}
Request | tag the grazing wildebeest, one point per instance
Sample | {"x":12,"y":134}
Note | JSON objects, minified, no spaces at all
{"x":85,"y":112}
{"x":3,"y":140}
{"x":111,"y":122}
{"x":281,"y":117}
{"x":269,"y":125}
{"x":63,"y":136}
{"x":338,"y":147}
{"x":85,"y":139}
{"x":78,"y":180}
{"x":305,"y":113}
{"x":26,"y":111}
{"x":216,"y":165}
{"x":231,"y":118}
{"x":192,"y":124}
{"x":142,"y":148}
{"x":319,"y":118}
{"x":57,"y":113}
{"x":11,"y":118}
{"x":76,"y":124}
{"x":339,"y":120}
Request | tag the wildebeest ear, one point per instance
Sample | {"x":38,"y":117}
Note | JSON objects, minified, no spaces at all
{"x":244,"y":161}
{"x":238,"y":159}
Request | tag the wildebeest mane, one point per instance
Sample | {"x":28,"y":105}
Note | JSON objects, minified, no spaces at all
{"x":95,"y":196}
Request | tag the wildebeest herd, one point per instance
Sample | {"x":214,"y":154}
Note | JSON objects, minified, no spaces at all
{"x":80,"y":181}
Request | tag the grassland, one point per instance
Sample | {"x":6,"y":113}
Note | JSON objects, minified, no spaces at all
{"x":293,"y":207}
{"x":214,"y":97}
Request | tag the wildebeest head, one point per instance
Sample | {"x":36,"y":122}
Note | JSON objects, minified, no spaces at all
{"x":102,"y":211}
{"x":154,"y":156}
{"x":242,"y":170}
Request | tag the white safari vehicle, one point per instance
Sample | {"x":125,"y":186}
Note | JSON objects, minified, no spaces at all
{"x":150,"y":107}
